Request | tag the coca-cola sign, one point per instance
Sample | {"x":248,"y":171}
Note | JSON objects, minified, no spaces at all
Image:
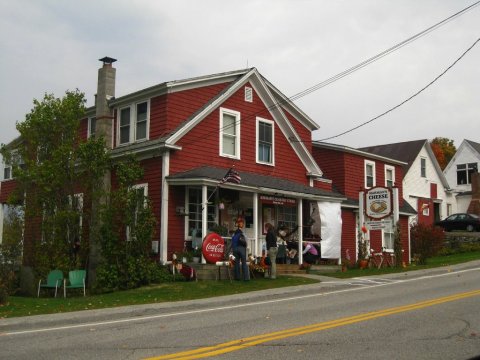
{"x":213,"y":248}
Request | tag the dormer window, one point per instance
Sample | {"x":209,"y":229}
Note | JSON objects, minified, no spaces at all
{"x":133,"y":123}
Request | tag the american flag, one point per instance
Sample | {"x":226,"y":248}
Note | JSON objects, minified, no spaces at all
{"x":232,"y":176}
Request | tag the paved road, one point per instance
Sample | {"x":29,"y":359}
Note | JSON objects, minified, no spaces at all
{"x":429,"y":314}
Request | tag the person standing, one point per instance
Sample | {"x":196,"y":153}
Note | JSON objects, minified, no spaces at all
{"x":272,"y":249}
{"x":239,"y":246}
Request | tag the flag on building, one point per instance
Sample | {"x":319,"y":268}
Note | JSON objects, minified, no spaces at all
{"x":232,"y":176}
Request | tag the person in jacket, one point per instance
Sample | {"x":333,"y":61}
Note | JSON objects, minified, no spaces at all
{"x":271,"y":240}
{"x":239,"y":247}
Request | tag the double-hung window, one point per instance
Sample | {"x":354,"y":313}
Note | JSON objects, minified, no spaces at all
{"x":389,"y":176}
{"x":7,"y":172}
{"x":229,"y":133}
{"x":423,"y":167}
{"x":92,"y":126}
{"x":369,"y":174}
{"x":265,"y":143}
{"x":388,"y":235}
{"x":133,"y":123}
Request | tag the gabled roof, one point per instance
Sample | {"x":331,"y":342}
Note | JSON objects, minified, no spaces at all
{"x":408,"y":152}
{"x":474,"y":145}
{"x":208,"y":175}
{"x":270,"y":97}
{"x":403,"y":151}
{"x":347,"y":149}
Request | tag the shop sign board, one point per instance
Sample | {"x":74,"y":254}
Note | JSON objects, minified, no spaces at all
{"x":376,"y":225}
{"x":378,"y":202}
{"x":275,"y":200}
{"x":213,"y":248}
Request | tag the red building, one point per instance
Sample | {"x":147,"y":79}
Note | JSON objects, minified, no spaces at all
{"x":188,"y":133}
{"x":352,"y":171}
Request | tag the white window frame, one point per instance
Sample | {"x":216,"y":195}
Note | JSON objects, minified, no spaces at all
{"x":89,"y":131}
{"x":248,"y":94}
{"x":387,"y":169}
{"x":392,"y":234}
{"x":423,"y":169}
{"x":10,"y":172}
{"x":132,"y":133}
{"x":272,"y":123}
{"x":143,"y":186}
{"x":236,"y":136}
{"x":369,"y":163}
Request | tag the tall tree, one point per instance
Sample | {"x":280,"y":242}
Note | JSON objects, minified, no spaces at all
{"x":444,"y":150}
{"x":53,"y":169}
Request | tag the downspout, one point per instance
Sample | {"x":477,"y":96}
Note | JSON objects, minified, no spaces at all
{"x":164,"y":208}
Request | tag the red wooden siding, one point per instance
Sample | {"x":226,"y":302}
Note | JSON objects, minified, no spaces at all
{"x":7,"y":187}
{"x":201,"y":145}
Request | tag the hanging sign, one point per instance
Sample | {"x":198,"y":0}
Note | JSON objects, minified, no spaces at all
{"x":266,"y":199}
{"x":378,"y":202}
{"x":213,"y":248}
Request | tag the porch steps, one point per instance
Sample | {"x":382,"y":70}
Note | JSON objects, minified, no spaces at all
{"x":213,"y":272}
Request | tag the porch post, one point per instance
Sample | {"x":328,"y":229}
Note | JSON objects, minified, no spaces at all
{"x":204,"y":214}
{"x":1,"y":223}
{"x":300,"y":231}
{"x":164,"y":208}
{"x":255,"y":224}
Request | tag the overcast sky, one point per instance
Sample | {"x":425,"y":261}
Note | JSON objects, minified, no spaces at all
{"x":54,"y":46}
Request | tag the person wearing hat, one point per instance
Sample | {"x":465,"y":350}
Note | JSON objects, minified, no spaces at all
{"x":239,"y":246}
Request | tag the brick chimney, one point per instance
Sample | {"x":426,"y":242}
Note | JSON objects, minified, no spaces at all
{"x":474,"y":207}
{"x":105,"y":92}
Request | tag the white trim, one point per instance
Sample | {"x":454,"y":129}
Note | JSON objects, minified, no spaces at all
{"x":236,"y":115}
{"x":164,"y":208}
{"x":372,"y":163}
{"x":272,"y":123}
{"x":392,"y":168}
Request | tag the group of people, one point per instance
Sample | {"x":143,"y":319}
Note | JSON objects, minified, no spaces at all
{"x":239,"y":249}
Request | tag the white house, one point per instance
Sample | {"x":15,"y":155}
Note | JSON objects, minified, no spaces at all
{"x":425,"y":187}
{"x":459,"y":172}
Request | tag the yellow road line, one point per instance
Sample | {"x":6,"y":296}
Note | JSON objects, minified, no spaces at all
{"x":240,"y":344}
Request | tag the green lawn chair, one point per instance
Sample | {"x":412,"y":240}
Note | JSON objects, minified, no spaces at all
{"x":76,"y":280}
{"x":54,"y":281}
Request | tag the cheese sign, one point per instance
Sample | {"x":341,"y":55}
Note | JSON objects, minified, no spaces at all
{"x":378,"y":202}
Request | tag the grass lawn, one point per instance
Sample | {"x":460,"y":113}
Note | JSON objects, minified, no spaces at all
{"x":171,"y":291}
{"x":182,"y":290}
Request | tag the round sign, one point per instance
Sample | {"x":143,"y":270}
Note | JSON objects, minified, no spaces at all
{"x":213,"y":248}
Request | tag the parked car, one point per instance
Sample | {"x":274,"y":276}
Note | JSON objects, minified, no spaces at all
{"x":468,"y":222}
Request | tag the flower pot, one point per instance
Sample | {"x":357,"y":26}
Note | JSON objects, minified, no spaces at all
{"x":363,"y":264}
{"x":196,"y":259}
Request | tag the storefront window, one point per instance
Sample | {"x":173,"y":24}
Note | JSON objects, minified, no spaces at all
{"x":195,"y":211}
{"x":287,"y":216}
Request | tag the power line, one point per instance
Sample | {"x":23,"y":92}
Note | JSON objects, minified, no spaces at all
{"x":356,"y":68}
{"x":407,"y":99}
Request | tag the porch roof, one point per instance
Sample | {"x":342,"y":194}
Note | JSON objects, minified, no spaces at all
{"x":211,"y":176}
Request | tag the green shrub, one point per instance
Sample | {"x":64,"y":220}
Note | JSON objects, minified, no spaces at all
{"x":427,"y":241}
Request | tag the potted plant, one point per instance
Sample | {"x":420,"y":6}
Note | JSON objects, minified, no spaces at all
{"x":197,"y":254}
{"x":362,"y":249}
{"x":219,"y":229}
